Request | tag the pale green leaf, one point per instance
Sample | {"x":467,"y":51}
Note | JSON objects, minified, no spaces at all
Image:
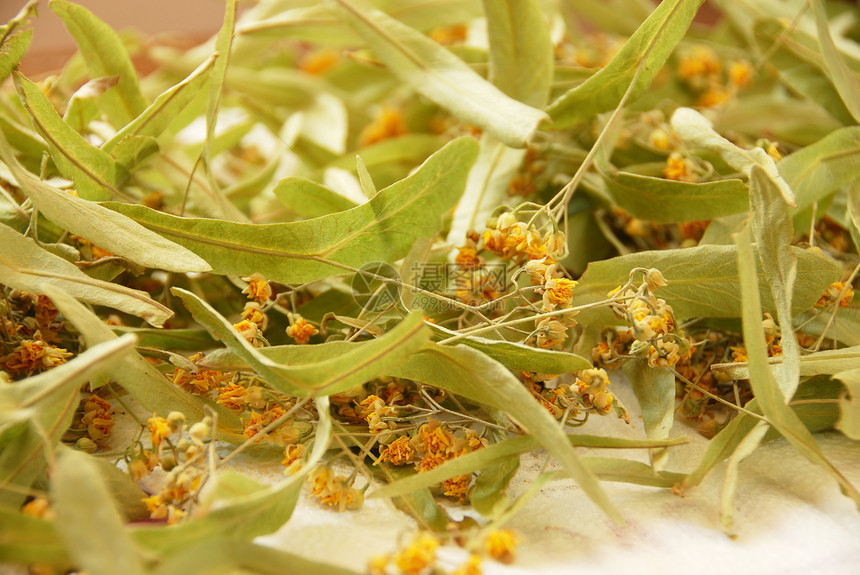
{"x":471,"y":374}
{"x":104,"y":55}
{"x":517,"y":356}
{"x":648,"y":47}
{"x":103,"y":227}
{"x":844,"y":79}
{"x":88,"y":520}
{"x":502,"y":451}
{"x":703,"y":281}
{"x":27,"y":540}
{"x":696,"y":130}
{"x":827,"y":362}
{"x":26,"y":266}
{"x":166,"y":107}
{"x":437,"y":74}
{"x":521,"y":50}
{"x":771,"y":399}
{"x":308,"y":199}
{"x":849,"y":404}
{"x":357,"y":364}
{"x":96,"y":174}
{"x":817,"y":171}
{"x":13,"y":46}
{"x":223,"y":555}
{"x":488,"y":495}
{"x":671,"y":201}
{"x":364,"y":178}
{"x":774,"y":233}
{"x":383,"y":229}
{"x":655,"y":390}
{"x":83,"y":107}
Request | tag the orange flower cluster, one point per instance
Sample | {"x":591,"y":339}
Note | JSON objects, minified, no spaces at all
{"x":332,"y":490}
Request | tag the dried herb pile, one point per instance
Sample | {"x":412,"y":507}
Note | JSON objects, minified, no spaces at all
{"x":398,"y":244}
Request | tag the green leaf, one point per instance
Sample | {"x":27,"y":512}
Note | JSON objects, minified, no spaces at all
{"x":28,"y":540}
{"x":844,"y":79}
{"x":502,"y":451}
{"x":101,"y":226}
{"x":166,"y":107}
{"x":88,"y":521}
{"x":241,"y":517}
{"x":516,"y":356}
{"x":308,"y":199}
{"x":817,"y":171}
{"x":521,"y":51}
{"x":488,"y":495}
{"x":774,"y":233}
{"x":655,"y":390}
{"x":797,"y":60}
{"x":45,"y":403}
{"x":670,"y":201}
{"x":438,"y":75}
{"x":696,"y":130}
{"x":383,"y":229}
{"x":12,"y":48}
{"x":83,"y":106}
{"x":356,"y":364}
{"x":828,"y":362}
{"x":152,"y":390}
{"x":648,"y":47}
{"x":471,"y":374}
{"x":26,"y":266}
{"x":224,"y":555}
{"x":96,"y":174}
{"x":703,"y":281}
{"x":104,"y":55}
{"x":767,"y":392}
{"x":849,"y":404}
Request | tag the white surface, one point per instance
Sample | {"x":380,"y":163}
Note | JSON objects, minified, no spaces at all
{"x":790,"y":517}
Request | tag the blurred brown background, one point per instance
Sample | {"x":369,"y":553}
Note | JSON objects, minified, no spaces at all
{"x":186,"y":22}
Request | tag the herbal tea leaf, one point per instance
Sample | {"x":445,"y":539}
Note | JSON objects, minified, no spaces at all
{"x":818,"y":170}
{"x":844,"y":79}
{"x":25,"y":266}
{"x":774,"y":233}
{"x":767,"y":392}
{"x":516,"y":356}
{"x":696,"y":130}
{"x":383,"y":229}
{"x":103,"y":227}
{"x":649,"y":46}
{"x":83,"y":107}
{"x":703,"y":281}
{"x":104,"y":55}
{"x":471,"y":374}
{"x":521,"y":51}
{"x":655,"y":390}
{"x":166,"y":107}
{"x":437,"y":74}
{"x":849,"y":403}
{"x":308,"y":199}
{"x":88,"y":520}
{"x":827,"y":362}
{"x":29,"y":540}
{"x":96,"y":174}
{"x":727,"y":498}
{"x":502,"y":451}
{"x":12,"y":48}
{"x":356,"y":364}
{"x":670,"y":201}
